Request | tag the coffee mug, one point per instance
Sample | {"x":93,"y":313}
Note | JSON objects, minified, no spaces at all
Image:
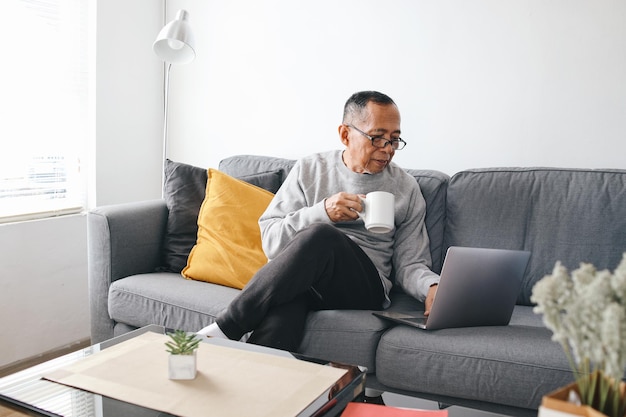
{"x":378,"y":211}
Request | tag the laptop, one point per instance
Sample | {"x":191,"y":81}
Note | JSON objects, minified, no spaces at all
{"x":478,"y":287}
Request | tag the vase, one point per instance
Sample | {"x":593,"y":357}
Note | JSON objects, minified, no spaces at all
{"x":182,"y":366}
{"x":556,"y":404}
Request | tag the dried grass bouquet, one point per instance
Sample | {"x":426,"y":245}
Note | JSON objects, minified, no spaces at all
{"x":586,"y":312}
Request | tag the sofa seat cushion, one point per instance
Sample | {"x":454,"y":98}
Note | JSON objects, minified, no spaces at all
{"x":513,"y":365}
{"x":346,"y":336}
{"x":167,"y":299}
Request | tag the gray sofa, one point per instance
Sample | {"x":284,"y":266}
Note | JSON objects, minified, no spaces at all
{"x":558,"y":214}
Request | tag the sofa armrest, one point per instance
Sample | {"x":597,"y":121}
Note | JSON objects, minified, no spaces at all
{"x":123,"y":240}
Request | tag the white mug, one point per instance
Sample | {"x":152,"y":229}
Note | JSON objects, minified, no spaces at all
{"x":378,"y":211}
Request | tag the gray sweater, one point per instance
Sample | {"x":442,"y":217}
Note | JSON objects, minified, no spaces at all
{"x":300,"y":202}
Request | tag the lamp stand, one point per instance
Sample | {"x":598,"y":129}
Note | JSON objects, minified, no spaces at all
{"x":174,"y":45}
{"x":166,"y":95}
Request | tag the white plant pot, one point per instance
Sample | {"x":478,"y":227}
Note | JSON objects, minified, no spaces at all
{"x":182,"y":366}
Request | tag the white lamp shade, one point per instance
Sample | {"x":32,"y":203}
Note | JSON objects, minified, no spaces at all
{"x":175,"y":43}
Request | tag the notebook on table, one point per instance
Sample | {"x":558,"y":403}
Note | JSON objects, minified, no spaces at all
{"x":478,"y":287}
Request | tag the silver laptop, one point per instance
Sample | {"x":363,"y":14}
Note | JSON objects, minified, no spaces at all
{"x":478,"y":287}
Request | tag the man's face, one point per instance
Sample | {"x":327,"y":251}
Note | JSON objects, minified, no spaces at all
{"x":378,"y":121}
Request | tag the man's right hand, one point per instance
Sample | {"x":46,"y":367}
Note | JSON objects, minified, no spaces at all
{"x":343,"y":206}
{"x":432,"y":292}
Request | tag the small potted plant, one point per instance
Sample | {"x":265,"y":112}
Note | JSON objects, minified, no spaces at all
{"x":182,"y":354}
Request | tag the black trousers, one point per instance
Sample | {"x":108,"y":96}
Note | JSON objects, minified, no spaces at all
{"x":320,"y":269}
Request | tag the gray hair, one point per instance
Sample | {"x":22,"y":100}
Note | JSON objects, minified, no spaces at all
{"x":357,"y":103}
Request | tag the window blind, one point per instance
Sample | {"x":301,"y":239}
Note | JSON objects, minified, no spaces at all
{"x":43,"y":108}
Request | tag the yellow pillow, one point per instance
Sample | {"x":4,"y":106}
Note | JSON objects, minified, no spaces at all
{"x":228,"y":249}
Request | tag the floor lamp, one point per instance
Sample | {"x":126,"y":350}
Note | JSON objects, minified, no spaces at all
{"x":173,"y":45}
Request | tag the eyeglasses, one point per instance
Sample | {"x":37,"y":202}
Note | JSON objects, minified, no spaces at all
{"x":380,"y":142}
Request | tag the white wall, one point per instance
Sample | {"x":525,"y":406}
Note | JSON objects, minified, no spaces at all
{"x":479,"y":83}
{"x":43,"y":302}
{"x":129,"y":99}
{"x":43,"y":264}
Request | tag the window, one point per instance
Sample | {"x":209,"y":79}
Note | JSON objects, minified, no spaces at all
{"x":43,"y":108}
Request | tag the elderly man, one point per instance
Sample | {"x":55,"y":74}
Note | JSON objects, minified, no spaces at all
{"x":321,"y":255}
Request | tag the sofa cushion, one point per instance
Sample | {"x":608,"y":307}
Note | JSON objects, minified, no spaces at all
{"x":184,"y":191}
{"x":228,"y":249}
{"x":346,"y":336}
{"x":270,"y":180}
{"x":513,"y":365}
{"x":245,"y":165}
{"x":168,"y":300}
{"x":434,"y":186}
{"x":567,"y":215}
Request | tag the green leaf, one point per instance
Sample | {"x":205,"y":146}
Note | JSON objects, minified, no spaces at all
{"x":182,"y":343}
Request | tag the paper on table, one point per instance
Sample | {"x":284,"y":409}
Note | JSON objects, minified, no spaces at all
{"x":230,"y":382}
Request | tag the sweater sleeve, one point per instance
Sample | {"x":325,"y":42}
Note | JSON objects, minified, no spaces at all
{"x":290,"y":211}
{"x":411,"y":255}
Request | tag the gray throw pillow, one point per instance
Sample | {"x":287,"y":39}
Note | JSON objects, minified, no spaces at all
{"x":184,"y":191}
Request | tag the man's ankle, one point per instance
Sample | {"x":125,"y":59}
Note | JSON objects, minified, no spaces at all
{"x":212,"y":330}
